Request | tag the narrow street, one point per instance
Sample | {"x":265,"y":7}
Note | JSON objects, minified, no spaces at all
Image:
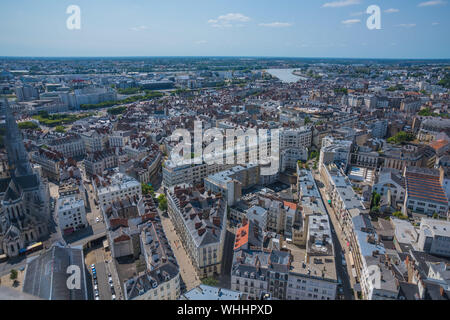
{"x":343,"y":272}
{"x":187,"y":270}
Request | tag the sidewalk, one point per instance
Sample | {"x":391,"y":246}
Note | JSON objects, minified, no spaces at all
{"x":187,"y":270}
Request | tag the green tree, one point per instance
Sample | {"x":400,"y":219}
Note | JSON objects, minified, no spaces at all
{"x":27,"y":125}
{"x":210,"y":282}
{"x":401,"y":137}
{"x":162,"y":200}
{"x":147,"y":189}
{"x":60,"y":129}
{"x":307,"y":120}
{"x":13,"y":274}
{"x":375,"y":200}
{"x":117,"y":110}
{"x":400,"y":215}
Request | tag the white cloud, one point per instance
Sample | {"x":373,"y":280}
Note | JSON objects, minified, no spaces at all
{"x":341,"y":3}
{"x":140,"y":28}
{"x":276,"y":24}
{"x":406,"y":25}
{"x":431,"y":3}
{"x":228,"y":20}
{"x":392,"y":10}
{"x":435,"y":23}
{"x":201,"y":42}
{"x":351,"y":21}
{"x":356,"y":14}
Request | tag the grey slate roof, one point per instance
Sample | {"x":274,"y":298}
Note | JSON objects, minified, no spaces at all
{"x":46,"y":275}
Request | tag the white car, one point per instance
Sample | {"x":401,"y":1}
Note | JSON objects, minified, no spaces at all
{"x":113,"y":297}
{"x":97,"y":298}
{"x":97,"y":219}
{"x":95,"y":287}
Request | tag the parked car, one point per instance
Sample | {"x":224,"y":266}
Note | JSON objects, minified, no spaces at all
{"x":113,"y":297}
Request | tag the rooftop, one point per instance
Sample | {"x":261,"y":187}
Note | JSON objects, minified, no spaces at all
{"x":204,"y":292}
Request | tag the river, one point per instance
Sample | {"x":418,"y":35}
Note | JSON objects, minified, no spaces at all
{"x":285,"y":75}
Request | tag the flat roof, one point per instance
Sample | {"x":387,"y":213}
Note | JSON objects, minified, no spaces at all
{"x":321,"y":267}
{"x":204,"y":292}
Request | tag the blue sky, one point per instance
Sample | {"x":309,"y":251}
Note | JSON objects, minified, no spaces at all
{"x":282,"y":28}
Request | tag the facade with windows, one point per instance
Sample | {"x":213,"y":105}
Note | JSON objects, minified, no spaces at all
{"x":200,"y":220}
{"x":116,"y":187}
{"x":71,"y":214}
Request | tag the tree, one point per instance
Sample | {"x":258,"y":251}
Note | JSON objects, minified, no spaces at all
{"x":307,"y":120}
{"x":27,"y":125}
{"x":375,"y":201}
{"x":401,"y":137}
{"x":60,"y":129}
{"x":117,"y":110}
{"x":210,"y":282}
{"x":162,"y":200}
{"x":147,"y":189}
{"x":400,"y":215}
{"x":13,"y":274}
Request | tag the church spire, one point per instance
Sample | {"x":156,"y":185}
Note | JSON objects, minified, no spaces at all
{"x":19,"y":164}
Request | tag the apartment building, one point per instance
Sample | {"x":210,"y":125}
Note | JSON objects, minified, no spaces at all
{"x":95,"y":163}
{"x":281,"y":269}
{"x":200,"y":220}
{"x":117,"y":186}
{"x":161,"y":280}
{"x":191,"y":174}
{"x":282,"y":216}
{"x":231,"y":182}
{"x":144,"y":170}
{"x":49,"y":161}
{"x":94,"y":141}
{"x":119,"y":138}
{"x":434,"y":237}
{"x":334,"y":150}
{"x":375,"y":279}
{"x":295,"y":138}
{"x":71,"y":214}
{"x":70,"y":146}
{"x":341,"y":196}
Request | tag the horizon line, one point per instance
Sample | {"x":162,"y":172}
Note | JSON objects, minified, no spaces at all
{"x":212,"y":56}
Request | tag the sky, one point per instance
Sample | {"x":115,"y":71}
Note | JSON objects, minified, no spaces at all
{"x":270,"y":28}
